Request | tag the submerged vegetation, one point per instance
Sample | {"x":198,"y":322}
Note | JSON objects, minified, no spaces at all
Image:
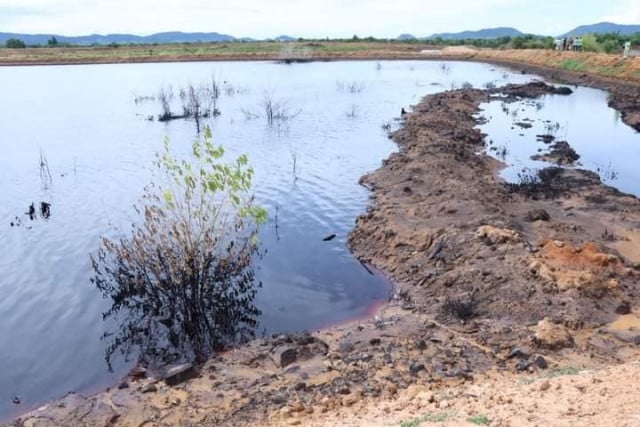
{"x":182,"y":283}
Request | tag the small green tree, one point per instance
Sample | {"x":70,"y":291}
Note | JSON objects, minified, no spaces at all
{"x":15,"y":44}
{"x":183,"y":284}
{"x":52,"y":42}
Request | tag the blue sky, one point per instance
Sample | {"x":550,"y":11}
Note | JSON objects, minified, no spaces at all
{"x":308,"y":18}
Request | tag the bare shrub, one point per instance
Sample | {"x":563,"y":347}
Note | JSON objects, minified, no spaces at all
{"x":165,"y":96}
{"x":463,"y":309}
{"x":277,"y":111}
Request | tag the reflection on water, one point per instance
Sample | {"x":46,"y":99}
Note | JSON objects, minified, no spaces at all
{"x":182,"y":284}
{"x":169,"y":310}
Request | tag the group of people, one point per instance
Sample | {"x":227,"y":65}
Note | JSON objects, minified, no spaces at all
{"x":571,"y":43}
{"x":575,"y":44}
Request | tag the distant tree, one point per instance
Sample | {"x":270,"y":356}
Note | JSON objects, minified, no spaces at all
{"x":355,"y":38}
{"x":52,"y":42}
{"x":15,"y":44}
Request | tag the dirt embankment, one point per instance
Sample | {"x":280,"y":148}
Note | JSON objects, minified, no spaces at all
{"x":518,"y":280}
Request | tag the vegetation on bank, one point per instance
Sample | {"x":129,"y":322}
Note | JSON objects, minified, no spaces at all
{"x":606,"y":42}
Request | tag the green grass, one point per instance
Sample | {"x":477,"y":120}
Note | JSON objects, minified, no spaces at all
{"x":572,"y":65}
{"x":559,"y":372}
{"x":479,"y":419}
{"x":570,"y":370}
{"x":434,"y":418}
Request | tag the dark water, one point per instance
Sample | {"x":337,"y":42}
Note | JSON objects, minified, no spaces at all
{"x":596,"y":132}
{"x":99,"y":149}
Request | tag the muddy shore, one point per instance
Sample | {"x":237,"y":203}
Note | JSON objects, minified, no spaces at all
{"x":488,"y":277}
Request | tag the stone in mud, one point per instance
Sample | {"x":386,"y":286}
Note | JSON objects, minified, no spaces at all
{"x":519,"y":352}
{"x":494,"y":235}
{"x":149,"y":388}
{"x":538,"y":215}
{"x":177,"y":374}
{"x":416,"y":367}
{"x":552,"y":336}
{"x":285,"y":355}
{"x":623,"y":308}
{"x":541,"y":362}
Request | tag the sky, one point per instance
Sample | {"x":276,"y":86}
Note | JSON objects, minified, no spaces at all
{"x":308,"y":18}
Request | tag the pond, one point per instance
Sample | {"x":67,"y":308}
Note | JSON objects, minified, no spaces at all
{"x":605,"y":144}
{"x":79,"y":139}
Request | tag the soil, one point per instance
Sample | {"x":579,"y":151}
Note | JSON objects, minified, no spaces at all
{"x":503,"y":294}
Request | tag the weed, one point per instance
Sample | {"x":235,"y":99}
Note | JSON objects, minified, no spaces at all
{"x":545,"y":182}
{"x":353,"y":112}
{"x":433,"y":418}
{"x":572,"y":65}
{"x":459,"y":308}
{"x":277,"y":111}
{"x":479,"y":419}
{"x":561,"y":372}
{"x":386,"y":126}
{"x":350,"y":87}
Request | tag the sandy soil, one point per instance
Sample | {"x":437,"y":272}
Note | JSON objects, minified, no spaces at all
{"x":515,"y":305}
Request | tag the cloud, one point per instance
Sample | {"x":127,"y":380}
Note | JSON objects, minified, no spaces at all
{"x":626,"y":12}
{"x":307,"y":18}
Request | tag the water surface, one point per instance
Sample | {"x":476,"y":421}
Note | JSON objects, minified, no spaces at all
{"x":606,"y":145}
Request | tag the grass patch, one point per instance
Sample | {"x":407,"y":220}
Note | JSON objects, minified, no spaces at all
{"x":560,"y":372}
{"x":426,"y":418}
{"x":479,"y":419}
{"x":554,"y":373}
{"x":572,"y":65}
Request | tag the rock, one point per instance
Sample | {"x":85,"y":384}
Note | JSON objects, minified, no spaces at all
{"x":416,"y":367}
{"x":636,"y":340}
{"x":15,"y":400}
{"x":552,"y":336}
{"x":523,"y":365}
{"x":352,"y":398}
{"x":123,"y":385}
{"x":623,"y":308}
{"x":346,"y":347}
{"x":300,"y":386}
{"x":297,"y":407}
{"x":494,"y":235}
{"x":519,"y":352}
{"x":545,"y":385}
{"x":392,"y":389}
{"x":374,"y":341}
{"x":177,"y":374}
{"x":344,"y":389}
{"x":285,"y":355}
{"x":278,"y":400}
{"x":138,"y":372}
{"x":149,"y":388}
{"x":538,"y":215}
{"x":541,"y":362}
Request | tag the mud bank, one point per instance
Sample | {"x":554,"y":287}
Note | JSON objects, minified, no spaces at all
{"x":513,"y":278}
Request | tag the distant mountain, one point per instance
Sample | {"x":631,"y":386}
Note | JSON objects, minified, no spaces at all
{"x":487,"y":33}
{"x":603,"y":27}
{"x":161,"y":38}
{"x":284,"y":38}
{"x":406,"y":37}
